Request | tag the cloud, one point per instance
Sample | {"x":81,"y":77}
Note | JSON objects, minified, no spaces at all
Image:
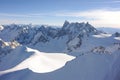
{"x":11,"y":21}
{"x":97,"y":17}
{"x":14,"y":15}
{"x":22,"y":15}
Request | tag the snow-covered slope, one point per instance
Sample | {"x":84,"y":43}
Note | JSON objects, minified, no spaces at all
{"x":86,"y":67}
{"x":39,"y":62}
{"x":7,"y":47}
{"x":97,"y":53}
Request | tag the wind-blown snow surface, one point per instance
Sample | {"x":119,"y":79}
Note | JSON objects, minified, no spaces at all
{"x":87,"y":67}
{"x":97,"y":53}
{"x":41,"y":62}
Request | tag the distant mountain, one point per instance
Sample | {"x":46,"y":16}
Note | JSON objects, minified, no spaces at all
{"x":109,"y":30}
{"x":76,"y":51}
{"x":31,"y":35}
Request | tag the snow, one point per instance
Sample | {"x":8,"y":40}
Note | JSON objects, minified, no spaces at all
{"x":87,"y":67}
{"x":41,"y":62}
{"x":37,"y":36}
{"x":117,"y":38}
{"x":102,"y":35}
{"x":8,"y":34}
{"x":74,"y":42}
{"x":1,"y":28}
{"x":53,"y":46}
{"x":90,"y":62}
{"x":12,"y":44}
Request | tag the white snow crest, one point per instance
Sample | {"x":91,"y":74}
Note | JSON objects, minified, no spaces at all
{"x":41,"y":62}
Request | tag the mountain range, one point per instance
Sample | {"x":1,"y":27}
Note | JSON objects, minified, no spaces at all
{"x":75,"y":51}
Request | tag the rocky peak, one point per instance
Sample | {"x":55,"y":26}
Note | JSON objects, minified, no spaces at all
{"x":66,"y":23}
{"x":90,"y":28}
{"x":117,"y":34}
{"x":74,"y":29}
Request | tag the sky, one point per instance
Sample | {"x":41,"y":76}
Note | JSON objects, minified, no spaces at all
{"x":99,"y":13}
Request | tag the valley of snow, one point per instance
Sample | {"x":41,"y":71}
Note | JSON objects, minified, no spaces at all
{"x":77,"y":51}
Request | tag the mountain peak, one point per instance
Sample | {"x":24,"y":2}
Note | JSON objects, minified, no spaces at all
{"x":75,"y":27}
{"x":117,"y":34}
{"x":66,"y":23}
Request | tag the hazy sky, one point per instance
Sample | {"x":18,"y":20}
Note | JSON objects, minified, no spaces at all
{"x":100,"y":13}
